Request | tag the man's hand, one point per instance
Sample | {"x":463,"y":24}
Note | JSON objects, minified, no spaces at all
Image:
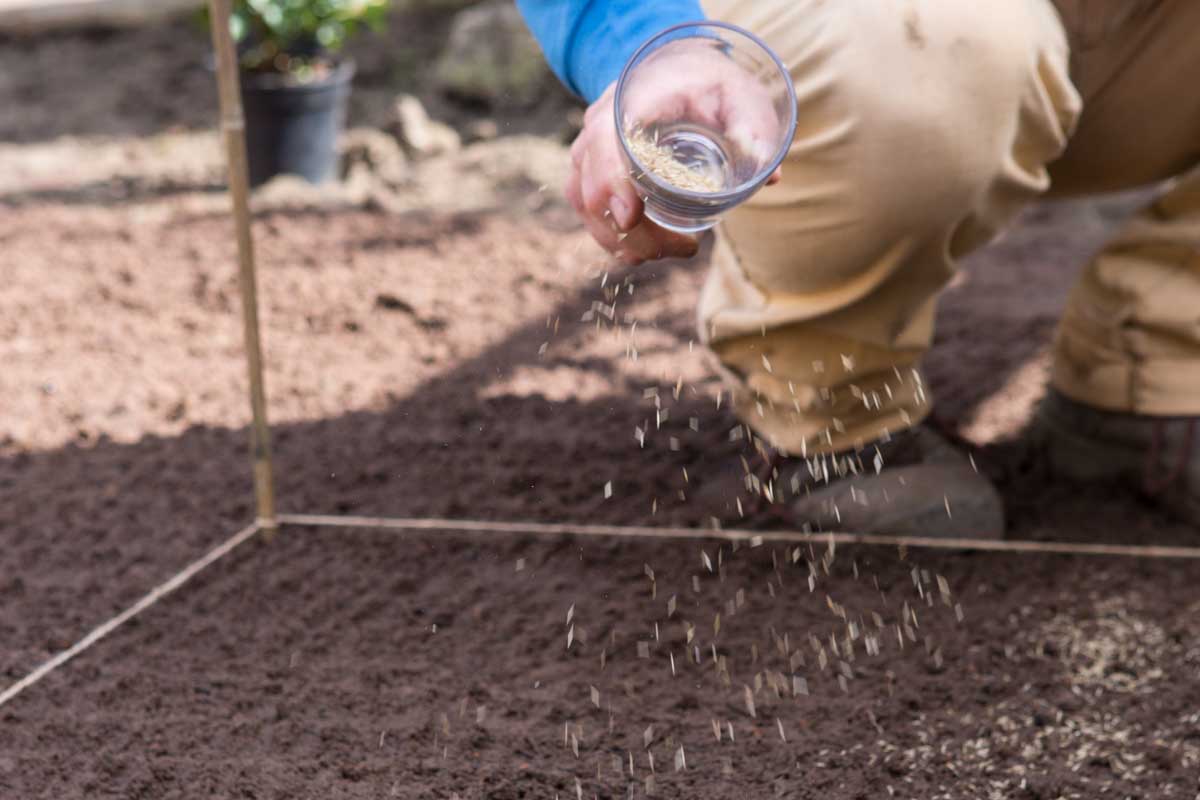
{"x":606,"y":199}
{"x":697,"y":84}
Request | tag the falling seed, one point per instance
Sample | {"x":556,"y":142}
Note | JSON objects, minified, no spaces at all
{"x":570,"y":614}
{"x":603,"y":657}
{"x":756,"y":541}
{"x":570,"y":636}
{"x":480,"y":714}
{"x":680,"y":759}
{"x":707,"y":561}
{"x":696,"y":584}
{"x":749,"y":699}
{"x":608,"y":490}
{"x":672,"y":655}
{"x":647,"y":736}
{"x":595,"y":696}
{"x":779,"y":723}
{"x":946,"y":499}
{"x":716,"y":624}
{"x":958,"y":611}
{"x":944,"y":589}
{"x":520,"y":564}
{"x":671,"y":607}
{"x":575,"y":745}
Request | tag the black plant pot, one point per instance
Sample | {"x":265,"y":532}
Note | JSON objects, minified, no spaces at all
{"x":292,"y":128}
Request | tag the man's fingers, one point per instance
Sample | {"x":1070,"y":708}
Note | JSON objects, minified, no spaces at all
{"x":648,"y":242}
{"x":607,"y":190}
{"x":594,"y":186}
{"x":572,"y":190}
{"x":578,"y":148}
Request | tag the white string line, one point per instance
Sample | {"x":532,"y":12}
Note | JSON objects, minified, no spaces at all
{"x":151,"y":597}
{"x":568,"y":529}
{"x":635,"y":532}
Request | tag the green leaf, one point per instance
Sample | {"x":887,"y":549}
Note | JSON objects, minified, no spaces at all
{"x":238,"y":26}
{"x":293,"y":27}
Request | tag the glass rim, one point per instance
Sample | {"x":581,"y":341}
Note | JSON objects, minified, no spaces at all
{"x":691,"y":194}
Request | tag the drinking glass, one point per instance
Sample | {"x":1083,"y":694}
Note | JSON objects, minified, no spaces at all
{"x":705,"y":113}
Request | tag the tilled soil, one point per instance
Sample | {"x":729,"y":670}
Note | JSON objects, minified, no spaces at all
{"x":465,"y":365}
{"x":414,"y":369}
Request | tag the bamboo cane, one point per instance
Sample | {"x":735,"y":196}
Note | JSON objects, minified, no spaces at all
{"x":234,"y":128}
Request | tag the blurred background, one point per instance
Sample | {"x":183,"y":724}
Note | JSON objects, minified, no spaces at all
{"x":434,"y":74}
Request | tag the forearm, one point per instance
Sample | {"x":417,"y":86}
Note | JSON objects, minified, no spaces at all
{"x":587,"y":42}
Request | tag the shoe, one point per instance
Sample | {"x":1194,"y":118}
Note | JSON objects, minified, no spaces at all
{"x":913,"y":483}
{"x":1156,"y":454}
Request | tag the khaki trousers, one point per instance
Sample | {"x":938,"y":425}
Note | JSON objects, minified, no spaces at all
{"x":924,"y":127}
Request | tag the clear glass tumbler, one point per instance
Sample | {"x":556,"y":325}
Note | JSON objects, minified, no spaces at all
{"x":706,"y":113}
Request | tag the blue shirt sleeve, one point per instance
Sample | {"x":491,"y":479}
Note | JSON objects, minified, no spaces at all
{"x":587,"y":42}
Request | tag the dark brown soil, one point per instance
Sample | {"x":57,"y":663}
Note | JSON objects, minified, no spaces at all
{"x":437,"y":365}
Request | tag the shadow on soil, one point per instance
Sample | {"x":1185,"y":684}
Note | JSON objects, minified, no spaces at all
{"x":90,"y":527}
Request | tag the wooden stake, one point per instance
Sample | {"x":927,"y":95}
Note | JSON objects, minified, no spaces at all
{"x":233,"y":126}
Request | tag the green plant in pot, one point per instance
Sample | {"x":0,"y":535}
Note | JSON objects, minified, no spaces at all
{"x":295,"y":85}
